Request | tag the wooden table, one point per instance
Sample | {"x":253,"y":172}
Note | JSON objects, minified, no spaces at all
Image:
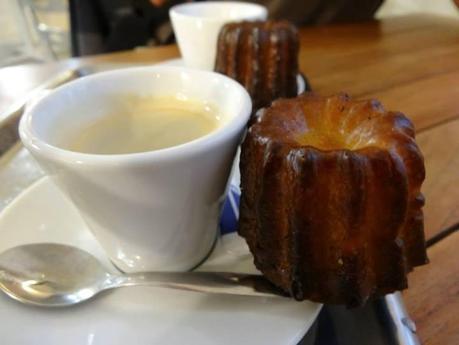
{"x":411,"y":64}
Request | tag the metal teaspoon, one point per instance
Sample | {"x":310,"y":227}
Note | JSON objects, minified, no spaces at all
{"x":53,"y":275}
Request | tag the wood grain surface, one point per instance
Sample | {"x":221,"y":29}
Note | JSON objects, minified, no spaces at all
{"x":433,"y":297}
{"x":412,"y":65}
{"x":440,"y":146}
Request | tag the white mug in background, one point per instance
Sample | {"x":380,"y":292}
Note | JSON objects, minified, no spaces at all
{"x":197,"y":25}
{"x":154,"y":210}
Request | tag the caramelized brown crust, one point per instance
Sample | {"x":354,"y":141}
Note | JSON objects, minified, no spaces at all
{"x":331,"y":202}
{"x":262,"y":56}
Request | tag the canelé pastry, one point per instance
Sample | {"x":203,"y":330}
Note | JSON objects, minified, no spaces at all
{"x":262,"y":56}
{"x":331,"y":201}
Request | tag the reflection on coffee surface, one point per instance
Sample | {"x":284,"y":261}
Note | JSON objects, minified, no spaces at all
{"x":145,"y":124}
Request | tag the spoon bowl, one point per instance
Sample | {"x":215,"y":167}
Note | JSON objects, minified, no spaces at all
{"x":53,"y":275}
{"x":50,"y":274}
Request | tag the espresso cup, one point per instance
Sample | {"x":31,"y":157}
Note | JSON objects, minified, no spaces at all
{"x":155,"y":210}
{"x":197,"y":25}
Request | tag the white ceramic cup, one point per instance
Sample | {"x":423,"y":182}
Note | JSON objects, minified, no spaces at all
{"x":197,"y":25}
{"x":155,"y":210}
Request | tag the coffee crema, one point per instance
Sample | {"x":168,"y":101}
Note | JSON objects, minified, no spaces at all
{"x":146,"y":124}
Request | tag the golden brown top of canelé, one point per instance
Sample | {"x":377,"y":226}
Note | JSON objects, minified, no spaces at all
{"x":332,"y":123}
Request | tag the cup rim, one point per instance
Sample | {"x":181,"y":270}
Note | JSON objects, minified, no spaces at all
{"x":40,"y":146}
{"x":176,"y":10}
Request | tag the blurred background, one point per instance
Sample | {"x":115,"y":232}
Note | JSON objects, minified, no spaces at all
{"x":47,"y":30}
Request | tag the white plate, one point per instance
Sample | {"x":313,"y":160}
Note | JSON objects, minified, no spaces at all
{"x":139,"y":315}
{"x":179,"y":62}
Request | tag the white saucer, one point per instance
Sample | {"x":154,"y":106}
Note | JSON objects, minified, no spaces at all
{"x":179,"y":62}
{"x":139,"y":315}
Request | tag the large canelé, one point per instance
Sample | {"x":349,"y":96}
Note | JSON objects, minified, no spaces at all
{"x":262,"y":56}
{"x":331,"y":206}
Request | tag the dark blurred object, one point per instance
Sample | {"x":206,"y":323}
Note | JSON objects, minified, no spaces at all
{"x":316,"y":12}
{"x":99,"y":26}
{"x":383,"y":321}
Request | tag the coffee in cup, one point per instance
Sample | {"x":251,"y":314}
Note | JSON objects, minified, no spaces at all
{"x":143,"y":124}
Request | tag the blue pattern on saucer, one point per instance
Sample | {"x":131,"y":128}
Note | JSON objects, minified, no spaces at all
{"x":230,"y":211}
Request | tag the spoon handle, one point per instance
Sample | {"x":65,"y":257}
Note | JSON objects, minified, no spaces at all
{"x":208,"y":282}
